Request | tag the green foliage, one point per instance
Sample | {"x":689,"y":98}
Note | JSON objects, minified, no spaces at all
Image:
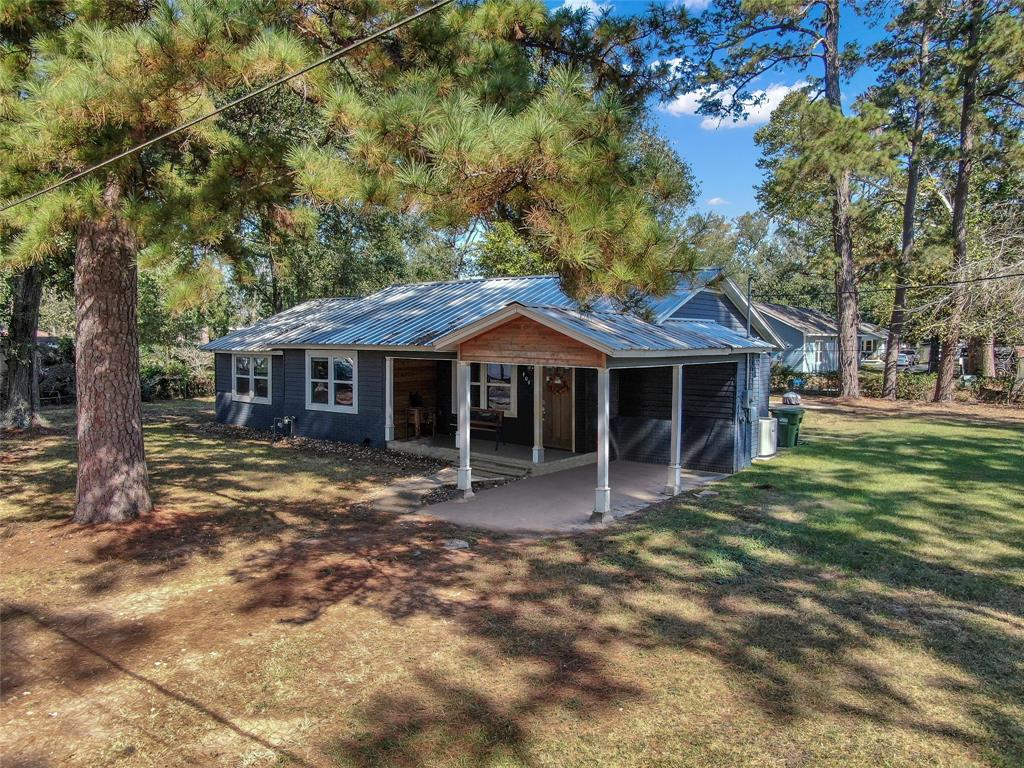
{"x":504,"y":253}
{"x":164,"y":321}
{"x":170,"y":372}
{"x":477,"y":114}
{"x":909,"y":386}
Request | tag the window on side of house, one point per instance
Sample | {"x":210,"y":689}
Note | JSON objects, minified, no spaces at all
{"x":818,"y":351}
{"x":497,"y":389}
{"x":332,"y":381}
{"x":250,"y":378}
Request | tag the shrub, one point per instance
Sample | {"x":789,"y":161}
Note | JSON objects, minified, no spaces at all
{"x":174,"y":372}
{"x":909,"y":386}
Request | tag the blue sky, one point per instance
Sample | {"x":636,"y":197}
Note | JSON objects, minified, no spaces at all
{"x":724,"y":156}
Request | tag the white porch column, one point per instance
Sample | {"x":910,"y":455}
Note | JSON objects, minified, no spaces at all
{"x":603,"y":493}
{"x":389,"y":399}
{"x":465,"y":473}
{"x":675,"y":462}
{"x":538,"y":414}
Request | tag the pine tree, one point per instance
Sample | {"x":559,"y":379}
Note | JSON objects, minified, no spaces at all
{"x":982,"y":45}
{"x":735,"y":42}
{"x":107,"y":76}
{"x":484,"y":112}
{"x":905,"y":91}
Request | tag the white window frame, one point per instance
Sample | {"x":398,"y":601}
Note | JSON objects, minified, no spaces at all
{"x":252,"y":397}
{"x":476,"y":388}
{"x":331,"y":354}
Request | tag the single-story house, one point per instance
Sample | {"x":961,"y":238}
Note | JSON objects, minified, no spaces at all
{"x":811,"y":337}
{"x":447,"y":364}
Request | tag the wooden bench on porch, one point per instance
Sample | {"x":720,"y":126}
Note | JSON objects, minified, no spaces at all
{"x":487,"y":420}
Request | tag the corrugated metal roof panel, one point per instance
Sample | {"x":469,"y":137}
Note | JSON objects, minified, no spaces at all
{"x":627,"y":333}
{"x":266,"y":334}
{"x":416,"y":314}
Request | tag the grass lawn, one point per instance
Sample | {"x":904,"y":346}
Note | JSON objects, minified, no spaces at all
{"x":858,"y":601}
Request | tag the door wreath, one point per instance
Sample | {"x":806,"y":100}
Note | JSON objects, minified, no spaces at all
{"x":557,"y":384}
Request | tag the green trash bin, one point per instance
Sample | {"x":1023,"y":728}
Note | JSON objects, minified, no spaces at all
{"x":790,"y":418}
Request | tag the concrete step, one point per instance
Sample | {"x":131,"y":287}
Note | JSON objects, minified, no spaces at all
{"x":488,"y":469}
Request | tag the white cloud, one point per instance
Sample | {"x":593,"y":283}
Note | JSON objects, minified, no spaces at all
{"x":696,"y":5}
{"x":756,"y":114}
{"x":593,"y":6}
{"x":718,"y":201}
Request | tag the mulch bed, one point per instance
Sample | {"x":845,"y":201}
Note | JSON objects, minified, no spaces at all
{"x":354,"y":452}
{"x":451,"y":492}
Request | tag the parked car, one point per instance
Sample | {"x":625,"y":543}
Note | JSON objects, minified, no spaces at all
{"x":903,"y":360}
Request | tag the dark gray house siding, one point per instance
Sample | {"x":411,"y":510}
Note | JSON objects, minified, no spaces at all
{"x":641,"y":422}
{"x":367,"y":426}
{"x":712,"y":306}
{"x":288,"y":387}
{"x":254,"y":415}
{"x":709,"y":417}
{"x":586,"y":410}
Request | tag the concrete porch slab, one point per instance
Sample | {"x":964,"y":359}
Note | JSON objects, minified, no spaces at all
{"x":561,"y":502}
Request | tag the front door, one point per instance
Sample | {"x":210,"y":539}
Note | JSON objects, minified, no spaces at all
{"x":558,"y":394}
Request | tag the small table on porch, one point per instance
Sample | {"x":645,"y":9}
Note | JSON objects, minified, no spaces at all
{"x":419,"y":416}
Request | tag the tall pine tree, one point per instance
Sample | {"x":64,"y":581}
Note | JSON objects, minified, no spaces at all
{"x":732,"y":44}
{"x":476,"y":112}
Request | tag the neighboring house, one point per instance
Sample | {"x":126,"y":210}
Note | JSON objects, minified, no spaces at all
{"x":811,"y":337}
{"x":683,"y":387}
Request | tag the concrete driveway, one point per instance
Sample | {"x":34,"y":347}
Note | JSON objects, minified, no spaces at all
{"x":562,"y":501}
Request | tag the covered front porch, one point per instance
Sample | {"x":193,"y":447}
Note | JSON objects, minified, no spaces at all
{"x":609,"y":396}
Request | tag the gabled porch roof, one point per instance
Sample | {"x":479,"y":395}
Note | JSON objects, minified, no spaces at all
{"x":615,"y":334}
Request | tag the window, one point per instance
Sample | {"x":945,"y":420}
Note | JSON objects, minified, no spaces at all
{"x":331,"y":381}
{"x":867,"y":345}
{"x":818,"y":348}
{"x":251,"y":378}
{"x":497,"y":389}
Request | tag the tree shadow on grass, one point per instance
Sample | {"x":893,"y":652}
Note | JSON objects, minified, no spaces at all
{"x":798,"y":582}
{"x":792,"y":606}
{"x":91,"y":648}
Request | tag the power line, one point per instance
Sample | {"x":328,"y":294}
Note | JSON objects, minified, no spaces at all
{"x":233,"y":103}
{"x":915,"y":286}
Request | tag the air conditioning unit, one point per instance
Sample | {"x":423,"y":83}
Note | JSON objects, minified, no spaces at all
{"x":769,"y":437}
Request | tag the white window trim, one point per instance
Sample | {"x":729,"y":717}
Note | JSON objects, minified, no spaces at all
{"x":252,"y":398}
{"x":353,"y":355}
{"x":476,"y":386}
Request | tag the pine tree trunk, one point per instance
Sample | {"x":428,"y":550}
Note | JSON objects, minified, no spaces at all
{"x":846,"y":275}
{"x":19,"y":349}
{"x":113,"y":485}
{"x":899,"y":304}
{"x":961,"y":194}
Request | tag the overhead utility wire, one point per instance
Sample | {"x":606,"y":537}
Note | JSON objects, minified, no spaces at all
{"x":915,"y":286}
{"x":233,"y":103}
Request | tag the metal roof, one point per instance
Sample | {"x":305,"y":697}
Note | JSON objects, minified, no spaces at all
{"x":417,"y":314}
{"x":264,"y":335}
{"x":615,"y":332}
{"x":812,"y":322}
